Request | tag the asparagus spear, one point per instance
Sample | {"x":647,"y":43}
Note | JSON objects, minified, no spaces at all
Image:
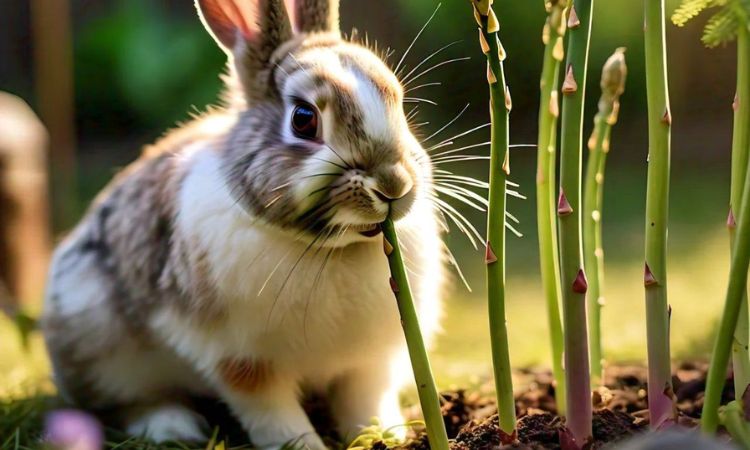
{"x":574,"y":284}
{"x":549,"y":111}
{"x":613,"y":85}
{"x":500,"y":106}
{"x":428,"y":394}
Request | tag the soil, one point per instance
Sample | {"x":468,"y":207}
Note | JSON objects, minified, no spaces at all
{"x":620,"y":410}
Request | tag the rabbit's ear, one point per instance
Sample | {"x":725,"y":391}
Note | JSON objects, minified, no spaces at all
{"x":256,"y":25}
{"x":315,"y":15}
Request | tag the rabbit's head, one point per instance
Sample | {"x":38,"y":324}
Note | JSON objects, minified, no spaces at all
{"x":322,"y":146}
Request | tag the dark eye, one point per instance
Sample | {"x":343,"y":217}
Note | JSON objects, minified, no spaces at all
{"x":305,"y":121}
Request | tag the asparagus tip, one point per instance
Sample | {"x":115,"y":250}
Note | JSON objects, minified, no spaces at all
{"x":573,"y":20}
{"x":580,"y":285}
{"x":648,"y":277}
{"x":489,"y":254}
{"x":614,"y":73}
{"x":563,"y":206}
{"x":569,"y":85}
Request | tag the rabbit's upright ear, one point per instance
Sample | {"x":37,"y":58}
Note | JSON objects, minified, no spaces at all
{"x":315,"y":15}
{"x":259,"y":26}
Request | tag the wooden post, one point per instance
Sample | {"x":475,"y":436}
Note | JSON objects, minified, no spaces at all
{"x":53,"y":76}
{"x":24,"y":218}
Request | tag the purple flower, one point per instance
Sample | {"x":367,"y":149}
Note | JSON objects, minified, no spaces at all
{"x":69,"y":429}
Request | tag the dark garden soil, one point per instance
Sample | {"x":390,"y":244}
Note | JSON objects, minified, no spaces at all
{"x":620,"y":410}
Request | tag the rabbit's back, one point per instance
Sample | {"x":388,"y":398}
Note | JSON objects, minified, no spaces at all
{"x":104,"y":279}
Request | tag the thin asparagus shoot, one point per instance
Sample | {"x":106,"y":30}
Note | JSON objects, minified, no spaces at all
{"x":428,"y":394}
{"x":735,"y":310}
{"x":612,"y":85}
{"x":549,"y":111}
{"x":500,"y":106}
{"x":574,"y":285}
{"x":660,"y":394}
{"x":736,"y":291}
{"x":740,"y":150}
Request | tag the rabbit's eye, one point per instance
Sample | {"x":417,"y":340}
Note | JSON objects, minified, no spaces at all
{"x":305,"y":121}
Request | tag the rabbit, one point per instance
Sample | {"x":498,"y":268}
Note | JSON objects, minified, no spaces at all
{"x":240,"y":256}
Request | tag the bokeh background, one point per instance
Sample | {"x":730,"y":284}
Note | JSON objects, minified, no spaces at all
{"x":134,"y":68}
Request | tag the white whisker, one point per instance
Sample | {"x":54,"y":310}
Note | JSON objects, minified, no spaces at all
{"x":447,"y":124}
{"x":429,"y":57}
{"x":459,"y":197}
{"x":438,"y":65}
{"x":414,"y":41}
{"x":513,"y":230}
{"x":460,"y":135}
{"x":452,"y":261}
{"x":419,"y":100}
{"x":436,"y":83}
{"x":456,"y":150}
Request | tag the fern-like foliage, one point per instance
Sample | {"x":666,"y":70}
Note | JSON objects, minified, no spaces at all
{"x":722,"y":26}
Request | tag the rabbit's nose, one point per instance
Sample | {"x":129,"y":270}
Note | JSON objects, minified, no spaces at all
{"x":392,"y":184}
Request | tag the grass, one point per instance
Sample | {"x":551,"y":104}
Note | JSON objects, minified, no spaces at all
{"x":462,"y":352}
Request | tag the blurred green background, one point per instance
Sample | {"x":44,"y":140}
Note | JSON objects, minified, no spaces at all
{"x":142,"y":66}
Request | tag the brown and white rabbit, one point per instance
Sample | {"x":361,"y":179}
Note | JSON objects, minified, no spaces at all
{"x":239,"y":257}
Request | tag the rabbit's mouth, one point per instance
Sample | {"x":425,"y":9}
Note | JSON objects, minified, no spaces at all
{"x":371,"y":230}
{"x":367,"y":230}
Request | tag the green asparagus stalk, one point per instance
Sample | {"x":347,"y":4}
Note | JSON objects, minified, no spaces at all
{"x":428,"y":394}
{"x":500,"y":106}
{"x":613,"y":85}
{"x":735,"y":293}
{"x":549,"y":111}
{"x":733,"y":327}
{"x":574,"y":284}
{"x":740,"y":150}
{"x":660,"y":396}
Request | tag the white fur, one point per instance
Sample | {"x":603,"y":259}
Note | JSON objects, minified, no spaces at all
{"x":343,"y":330}
{"x":169,"y":423}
